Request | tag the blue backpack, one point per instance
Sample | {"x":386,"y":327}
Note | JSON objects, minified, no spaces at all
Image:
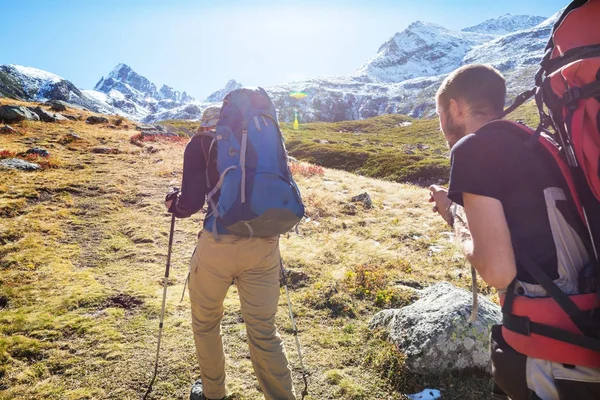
{"x":257,"y":196}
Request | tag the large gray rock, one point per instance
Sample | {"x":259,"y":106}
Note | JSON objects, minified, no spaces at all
{"x":45,"y":115}
{"x":11,"y":114}
{"x":16,"y":163}
{"x":57,"y":105}
{"x":93,"y":120}
{"x":434,"y":332}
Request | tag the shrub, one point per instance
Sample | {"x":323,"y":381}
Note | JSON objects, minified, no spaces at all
{"x":6,"y":154}
{"x":306,"y":170}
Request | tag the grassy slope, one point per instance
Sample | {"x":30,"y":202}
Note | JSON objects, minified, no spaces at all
{"x":82,"y":252}
{"x":391,"y":147}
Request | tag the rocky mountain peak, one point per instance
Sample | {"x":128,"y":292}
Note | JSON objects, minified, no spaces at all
{"x":220,"y":94}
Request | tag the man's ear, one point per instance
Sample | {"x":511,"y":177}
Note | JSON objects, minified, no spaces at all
{"x":458,"y":110}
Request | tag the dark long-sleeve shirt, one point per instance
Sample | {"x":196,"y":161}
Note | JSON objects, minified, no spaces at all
{"x":194,"y":188}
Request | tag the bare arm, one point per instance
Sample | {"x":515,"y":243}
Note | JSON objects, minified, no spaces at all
{"x":484,"y":235}
{"x":490,"y":250}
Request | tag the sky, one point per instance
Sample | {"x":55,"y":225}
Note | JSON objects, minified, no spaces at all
{"x":197,"y":46}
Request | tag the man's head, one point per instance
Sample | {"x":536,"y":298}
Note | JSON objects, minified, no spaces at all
{"x":468,"y":98}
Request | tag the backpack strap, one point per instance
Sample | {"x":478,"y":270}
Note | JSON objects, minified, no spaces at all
{"x":243,"y":149}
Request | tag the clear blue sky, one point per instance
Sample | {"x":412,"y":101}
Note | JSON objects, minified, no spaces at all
{"x":199,"y":45}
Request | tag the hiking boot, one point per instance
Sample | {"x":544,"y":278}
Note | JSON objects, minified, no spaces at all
{"x":198,"y":394}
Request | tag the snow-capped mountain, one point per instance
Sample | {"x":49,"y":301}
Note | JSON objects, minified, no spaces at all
{"x":505,"y":24}
{"x":422,"y":49}
{"x":31,"y":84}
{"x":219,"y":95}
{"x":135,"y":95}
{"x":402,"y":77}
{"x":382,"y":84}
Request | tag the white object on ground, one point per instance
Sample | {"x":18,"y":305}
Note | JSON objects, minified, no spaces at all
{"x":427,"y":394}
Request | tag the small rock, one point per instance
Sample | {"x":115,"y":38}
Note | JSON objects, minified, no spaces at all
{"x":16,"y":163}
{"x":10,"y":114}
{"x":422,"y":146}
{"x":409,"y":152}
{"x":119,"y":121}
{"x":363,"y":198}
{"x":112,"y":127}
{"x":105,"y":150}
{"x":93,"y":120}
{"x":38,"y":151}
{"x":152,"y":150}
{"x":7,"y":130}
{"x":349,"y":209}
{"x":69,"y":138}
{"x":292,"y":160}
{"x":355,"y":144}
{"x":71,"y":117}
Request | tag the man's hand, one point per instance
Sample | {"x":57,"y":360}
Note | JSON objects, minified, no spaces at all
{"x":170,"y":200}
{"x":439,"y":196}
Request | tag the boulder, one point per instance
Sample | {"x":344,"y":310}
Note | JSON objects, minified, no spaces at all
{"x":17,"y":163}
{"x":56,"y":105}
{"x":70,"y":117}
{"x":434,"y":332}
{"x":44,"y":115}
{"x":38,"y":151}
{"x":10,"y":114}
{"x":93,"y":120}
{"x":7,"y":130}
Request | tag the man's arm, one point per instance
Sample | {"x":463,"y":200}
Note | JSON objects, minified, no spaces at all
{"x":484,"y":235}
{"x":193,"y":186}
{"x":490,"y":250}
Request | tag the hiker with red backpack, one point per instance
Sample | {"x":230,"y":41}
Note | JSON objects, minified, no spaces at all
{"x":527,"y":235}
{"x":240,"y":170}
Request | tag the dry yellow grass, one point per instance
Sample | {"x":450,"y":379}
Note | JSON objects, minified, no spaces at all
{"x":82,"y":252}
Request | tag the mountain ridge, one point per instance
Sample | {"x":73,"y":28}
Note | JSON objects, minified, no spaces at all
{"x":401,"y":77}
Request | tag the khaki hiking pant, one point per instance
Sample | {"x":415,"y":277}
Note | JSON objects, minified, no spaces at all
{"x":255,"y":265}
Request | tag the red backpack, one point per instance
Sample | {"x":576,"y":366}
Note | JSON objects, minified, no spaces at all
{"x":566,"y":328}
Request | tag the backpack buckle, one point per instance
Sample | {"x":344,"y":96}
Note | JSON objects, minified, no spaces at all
{"x":516,"y":323}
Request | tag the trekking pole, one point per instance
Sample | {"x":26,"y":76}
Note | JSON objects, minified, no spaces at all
{"x":164,"y":298}
{"x":475,"y":305}
{"x":294,"y":330}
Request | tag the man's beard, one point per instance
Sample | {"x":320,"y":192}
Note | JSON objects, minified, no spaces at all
{"x":454,"y":132}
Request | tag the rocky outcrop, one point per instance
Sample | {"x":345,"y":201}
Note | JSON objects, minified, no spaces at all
{"x":17,"y":163}
{"x":46,"y":116}
{"x":434,"y":332}
{"x":12,"y":114}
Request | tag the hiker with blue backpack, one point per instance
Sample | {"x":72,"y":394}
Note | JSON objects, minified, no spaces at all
{"x":240,"y":171}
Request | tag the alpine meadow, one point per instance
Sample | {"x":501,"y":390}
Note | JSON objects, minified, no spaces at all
{"x":377,"y":297}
